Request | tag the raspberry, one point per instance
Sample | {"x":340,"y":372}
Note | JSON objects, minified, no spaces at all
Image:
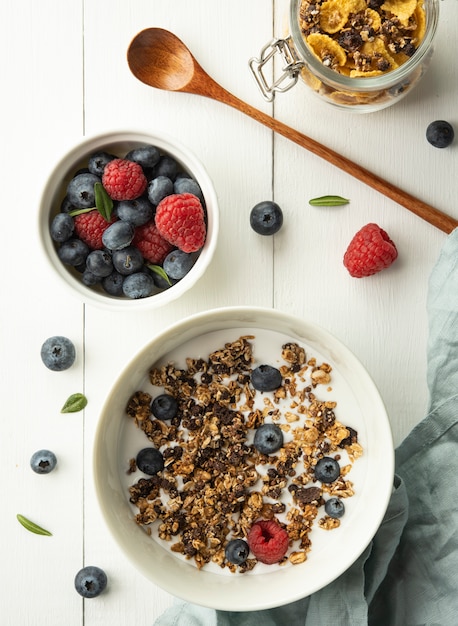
{"x":152,"y":245}
{"x":124,"y":180}
{"x":180,"y":219}
{"x":90,"y":227}
{"x":369,"y":252}
{"x":268,"y":541}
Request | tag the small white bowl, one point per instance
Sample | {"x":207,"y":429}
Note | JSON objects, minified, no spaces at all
{"x":119,"y":143}
{"x":117,"y":440}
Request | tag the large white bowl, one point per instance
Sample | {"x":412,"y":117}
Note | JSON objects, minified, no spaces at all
{"x":117,"y":439}
{"x":119,"y":143}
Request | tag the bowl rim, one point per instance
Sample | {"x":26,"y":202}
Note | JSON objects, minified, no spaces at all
{"x":223,"y":592}
{"x":90,"y":143}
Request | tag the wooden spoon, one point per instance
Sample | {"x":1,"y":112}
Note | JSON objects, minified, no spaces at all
{"x":158,"y":58}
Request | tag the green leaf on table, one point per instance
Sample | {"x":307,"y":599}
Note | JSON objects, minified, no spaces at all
{"x":328,"y":201}
{"x":103,"y":202}
{"x":76,"y":402}
{"x":160,"y":271}
{"x":31,"y":526}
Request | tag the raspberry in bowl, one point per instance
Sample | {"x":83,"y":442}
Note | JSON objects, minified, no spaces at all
{"x":129,"y":220}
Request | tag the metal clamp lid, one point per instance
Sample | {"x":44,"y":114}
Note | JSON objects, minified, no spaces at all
{"x":290,"y":70}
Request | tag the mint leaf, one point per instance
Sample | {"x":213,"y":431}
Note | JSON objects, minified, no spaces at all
{"x":160,"y":271}
{"x":31,"y":526}
{"x":76,"y":402}
{"x":328,"y":201}
{"x":103,"y":202}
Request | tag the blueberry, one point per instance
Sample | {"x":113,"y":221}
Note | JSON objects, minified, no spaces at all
{"x":89,"y":279}
{"x":98,"y":161}
{"x":188,"y":185}
{"x":167,"y":166}
{"x":164,"y":407}
{"x":112,"y":284}
{"x":266,"y":378}
{"x":66,"y":206}
{"x":118,"y":235}
{"x":138,"y":285}
{"x":237,"y":551}
{"x":266,"y":218}
{"x":440,"y":134}
{"x":80,"y":190}
{"x":268,"y":438}
{"x":159,"y":188}
{"x":99,"y":263}
{"x":43,"y":461}
{"x":90,"y":581}
{"x":73,"y":252}
{"x":58,"y":353}
{"x":327,"y":470}
{"x":177,"y":264}
{"x":334,"y":507}
{"x":136,"y":212}
{"x":128,"y":260}
{"x":146,"y":156}
{"x":150,"y":461}
{"x":62,"y":227}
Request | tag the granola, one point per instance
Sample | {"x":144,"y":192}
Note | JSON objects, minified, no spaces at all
{"x":361,"y":38}
{"x":215,"y":484}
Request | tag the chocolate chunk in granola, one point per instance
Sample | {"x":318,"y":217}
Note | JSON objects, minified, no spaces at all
{"x":352,"y":438}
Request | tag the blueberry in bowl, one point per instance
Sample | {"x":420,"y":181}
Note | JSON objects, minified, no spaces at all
{"x":122,"y":192}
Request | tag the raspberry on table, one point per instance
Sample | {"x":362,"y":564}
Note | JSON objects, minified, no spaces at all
{"x":151,"y":243}
{"x":90,"y":227}
{"x":180,"y":219}
{"x":124,"y":179}
{"x":370,"y":251}
{"x":268,"y":541}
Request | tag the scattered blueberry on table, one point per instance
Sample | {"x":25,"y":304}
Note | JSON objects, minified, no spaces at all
{"x":440,"y":134}
{"x":43,"y":461}
{"x":58,"y":353}
{"x":266,"y":218}
{"x":90,"y":581}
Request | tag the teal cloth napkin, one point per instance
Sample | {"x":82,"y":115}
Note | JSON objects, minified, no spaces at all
{"x":408,"y":575}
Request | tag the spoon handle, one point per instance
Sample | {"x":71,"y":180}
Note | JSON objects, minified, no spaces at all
{"x":418,"y":207}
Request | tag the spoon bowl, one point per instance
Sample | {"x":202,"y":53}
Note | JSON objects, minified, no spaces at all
{"x":161,"y":60}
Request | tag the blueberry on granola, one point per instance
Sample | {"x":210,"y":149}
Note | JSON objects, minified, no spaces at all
{"x":327,"y":470}
{"x":237,"y":551}
{"x":150,"y":461}
{"x":334,"y":507}
{"x":268,"y":438}
{"x":266,"y":378}
{"x":164,"y":407}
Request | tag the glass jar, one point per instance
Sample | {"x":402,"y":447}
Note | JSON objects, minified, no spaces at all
{"x":359,"y":94}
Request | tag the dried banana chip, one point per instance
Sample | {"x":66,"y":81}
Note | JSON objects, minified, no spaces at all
{"x":363,"y":74}
{"x":376,"y":50}
{"x":420,"y":18}
{"x":333,"y":15}
{"x":403,"y":9}
{"x":373,"y":19}
{"x":310,"y":79}
{"x":327,"y":50}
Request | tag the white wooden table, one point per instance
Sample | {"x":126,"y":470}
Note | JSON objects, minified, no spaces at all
{"x":64,"y":75}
